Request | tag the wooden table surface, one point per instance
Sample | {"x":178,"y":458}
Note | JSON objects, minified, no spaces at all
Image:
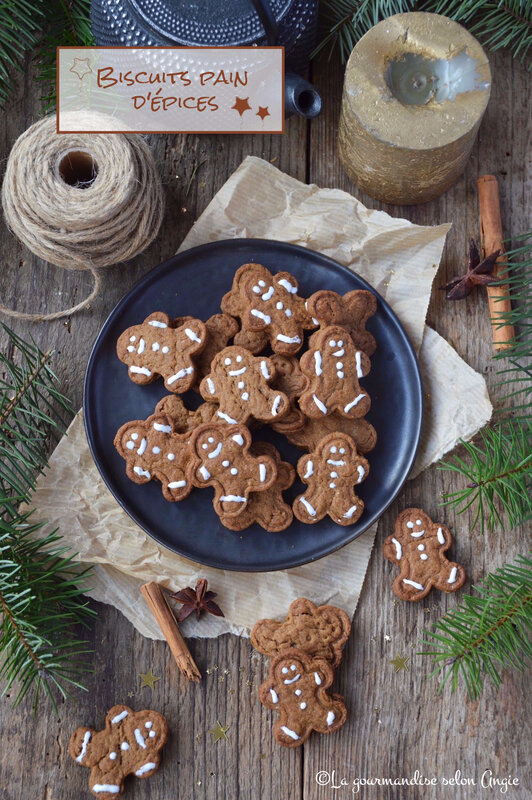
{"x":397,"y":723}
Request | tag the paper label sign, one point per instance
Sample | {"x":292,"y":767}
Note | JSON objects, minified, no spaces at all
{"x":170,"y":89}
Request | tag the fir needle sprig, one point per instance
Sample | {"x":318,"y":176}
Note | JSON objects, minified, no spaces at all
{"x":40,"y":585}
{"x":488,"y":632}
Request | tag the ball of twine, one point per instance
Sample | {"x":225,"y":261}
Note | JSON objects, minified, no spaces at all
{"x":81,"y":201}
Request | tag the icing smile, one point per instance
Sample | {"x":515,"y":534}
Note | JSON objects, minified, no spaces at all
{"x":234,"y":372}
{"x":217,"y":451}
{"x":292,"y":680}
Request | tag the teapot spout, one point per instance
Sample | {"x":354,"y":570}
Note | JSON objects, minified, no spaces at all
{"x":300,"y":97}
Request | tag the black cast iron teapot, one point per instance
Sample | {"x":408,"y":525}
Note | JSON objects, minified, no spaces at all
{"x":211,"y":23}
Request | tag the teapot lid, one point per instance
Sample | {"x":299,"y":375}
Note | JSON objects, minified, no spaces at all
{"x":185,"y":22}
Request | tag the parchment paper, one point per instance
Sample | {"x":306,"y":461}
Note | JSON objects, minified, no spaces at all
{"x":397,"y":258}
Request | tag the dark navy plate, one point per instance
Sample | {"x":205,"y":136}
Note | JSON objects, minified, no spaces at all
{"x":193,"y":283}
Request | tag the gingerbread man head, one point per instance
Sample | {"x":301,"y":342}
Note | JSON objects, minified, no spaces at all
{"x":130,"y":744}
{"x":351,"y":311}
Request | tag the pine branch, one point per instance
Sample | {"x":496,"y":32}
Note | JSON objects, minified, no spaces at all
{"x":488,"y":632}
{"x":40,"y":584}
{"x":496,"y":24}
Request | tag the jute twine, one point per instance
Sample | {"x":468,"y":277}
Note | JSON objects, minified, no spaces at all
{"x":81,"y":201}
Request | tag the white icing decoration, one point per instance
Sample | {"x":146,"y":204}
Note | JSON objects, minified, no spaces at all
{"x":140,"y":472}
{"x":414,"y":584}
{"x":140,"y":739}
{"x":423,"y":556}
{"x":232,"y":498}
{"x":204,"y":472}
{"x":418,"y":522}
{"x":452,"y":576}
{"x":262,"y":473}
{"x":398,"y":548}
{"x":162,"y":428}
{"x":180,"y":374}
{"x":148,"y":724}
{"x":264,"y":370}
{"x":177,"y":484}
{"x":315,"y":321}
{"x":409,"y":524}
{"x":216,"y":452}
{"x":340,"y":374}
{"x":311,"y":510}
{"x":310,"y":469}
{"x":134,"y":436}
{"x":226,"y":417}
{"x":262,"y":283}
{"x":298,"y":692}
{"x":350,"y":511}
{"x":234,"y":372}
{"x":279,"y":306}
{"x":124,"y":746}
{"x":291,"y":734}
{"x":142,"y":447}
{"x":317,"y":678}
{"x":233,"y":471}
{"x":288,"y":339}
{"x":155,"y":346}
{"x":336,"y":462}
{"x":238,"y":438}
{"x":85,"y":742}
{"x":303,"y":706}
{"x":156,"y":324}
{"x":417,"y":534}
{"x":241,"y":384}
{"x":421,"y":547}
{"x":112,"y":756}
{"x":256,"y":289}
{"x":267,"y":295}
{"x":152,"y":734}
{"x":334,"y":449}
{"x":145,"y":768}
{"x":293,"y":667}
{"x":332,"y":343}
{"x":227,"y":361}
{"x":332,"y":486}
{"x":165,"y":349}
{"x":287,"y":285}
{"x":317,"y":361}
{"x":140,"y":371}
{"x":210,"y":385}
{"x":132,"y":338}
{"x":275,"y":698}
{"x":361,"y":472}
{"x":284,"y":670}
{"x":119,"y":717}
{"x":292,"y":680}
{"x":264,"y":317}
{"x":334,"y":474}
{"x":441,"y":537}
{"x":225,"y":463}
{"x":192,"y":335}
{"x":170,"y":456}
{"x":245,"y":396}
{"x":354,"y":402}
{"x":142,"y":346}
{"x":358,"y":359}
{"x":275,"y":405}
{"x":288,"y":312}
{"x":330,"y":718}
{"x":322,"y":407}
{"x":130,"y":445}
{"x":339,"y":353}
{"x":106,"y":787}
{"x":155,"y":450}
{"x":130,"y":348}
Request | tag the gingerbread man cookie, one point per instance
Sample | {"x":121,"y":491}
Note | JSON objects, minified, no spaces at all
{"x":269,"y":305}
{"x":184,"y":419}
{"x":308,"y":437}
{"x":155,"y":348}
{"x":297,"y":689}
{"x":334,"y":367}
{"x":290,"y":380}
{"x":418,"y":547}
{"x":238,"y":382}
{"x":268,"y":509}
{"x":220,"y":329}
{"x":319,"y":631}
{"x":331,"y":473}
{"x":153,"y":451}
{"x":130,"y":744}
{"x":351,"y":312}
{"x":221,"y":459}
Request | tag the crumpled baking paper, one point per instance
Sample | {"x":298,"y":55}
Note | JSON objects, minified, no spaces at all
{"x":393,"y":255}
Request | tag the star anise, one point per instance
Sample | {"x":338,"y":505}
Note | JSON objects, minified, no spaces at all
{"x":198,"y":600}
{"x":479,"y":273}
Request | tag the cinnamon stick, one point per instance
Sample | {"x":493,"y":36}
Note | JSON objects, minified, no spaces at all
{"x":492,"y":240}
{"x":167,"y":622}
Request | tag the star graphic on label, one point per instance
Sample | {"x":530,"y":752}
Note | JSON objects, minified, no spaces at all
{"x":148,"y":679}
{"x":241,"y":105}
{"x":219,"y":731}
{"x":263,"y":112}
{"x":81,"y":67}
{"x":399,"y":662}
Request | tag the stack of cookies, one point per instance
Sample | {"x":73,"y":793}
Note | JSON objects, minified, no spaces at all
{"x":314,"y":399}
{"x":304,"y":649}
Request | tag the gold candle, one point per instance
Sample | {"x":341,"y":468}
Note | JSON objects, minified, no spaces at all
{"x":415,"y":90}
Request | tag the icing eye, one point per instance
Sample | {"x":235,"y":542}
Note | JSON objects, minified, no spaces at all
{"x":156,"y":450}
{"x":284,"y":670}
{"x":134,"y":436}
{"x":342,"y":449}
{"x":132,"y":338}
{"x":234,"y":471}
{"x":293,"y":667}
{"x":152,"y":734}
{"x":333,"y":449}
{"x":256,"y":289}
{"x":332,"y":343}
{"x":211,"y":439}
{"x":130,"y":445}
{"x":418,"y":522}
{"x":124,"y":746}
{"x":239,"y":359}
{"x":205,"y":446}
{"x":170,"y":456}
{"x":148,"y":724}
{"x":227,"y":361}
{"x":262,"y":283}
{"x":279,"y":305}
{"x":225,"y":463}
{"x":340,"y":342}
{"x":410,"y":525}
{"x":166,"y":349}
